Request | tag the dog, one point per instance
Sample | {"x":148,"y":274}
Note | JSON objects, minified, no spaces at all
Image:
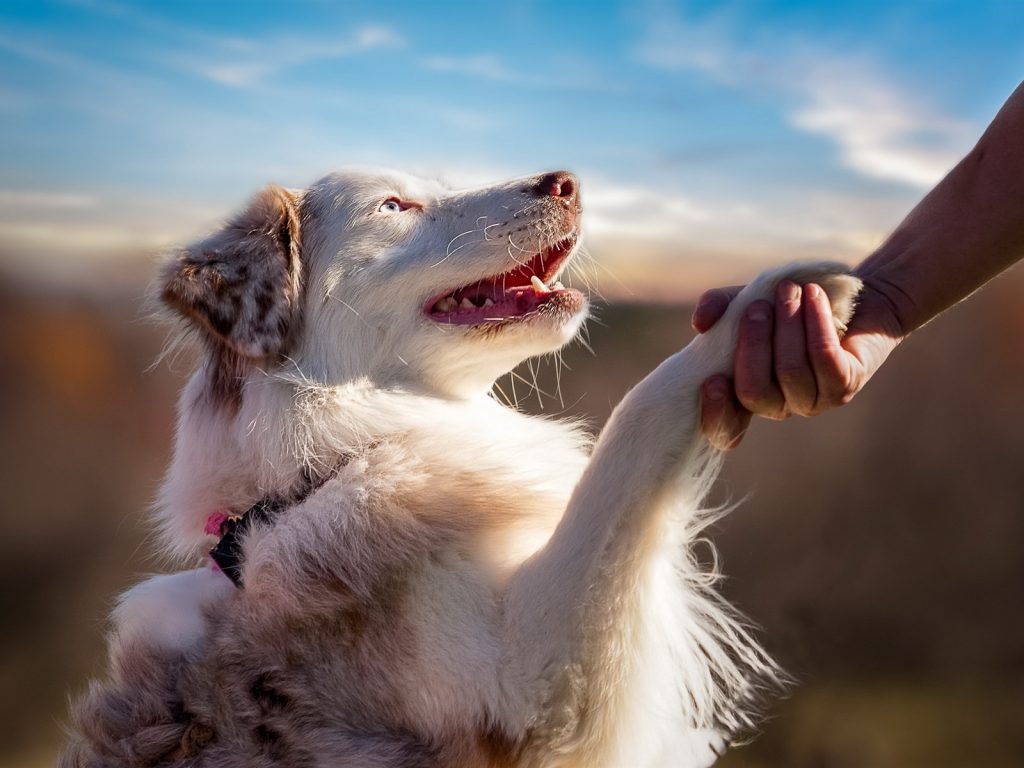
{"x":407,"y":573}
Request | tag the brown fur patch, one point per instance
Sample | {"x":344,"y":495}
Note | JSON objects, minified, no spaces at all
{"x":241,"y":284}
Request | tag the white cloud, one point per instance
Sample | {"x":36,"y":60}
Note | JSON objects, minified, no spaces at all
{"x":51,"y":56}
{"x":378,"y":36}
{"x":881,"y":131}
{"x":486,"y":66}
{"x":619,"y":210}
{"x":64,"y":226}
{"x":571,"y":73}
{"x":240,"y":62}
{"x":246,"y":63}
{"x":78,"y":239}
{"x":672,"y":43}
{"x":25,"y":199}
{"x":881,"y":128}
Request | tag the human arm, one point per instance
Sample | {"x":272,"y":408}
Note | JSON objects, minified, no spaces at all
{"x":788,"y":360}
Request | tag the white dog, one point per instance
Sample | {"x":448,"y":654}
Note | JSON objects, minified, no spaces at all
{"x":422,"y":576}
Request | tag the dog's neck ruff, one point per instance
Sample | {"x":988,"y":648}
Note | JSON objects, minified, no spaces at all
{"x":228,"y":554}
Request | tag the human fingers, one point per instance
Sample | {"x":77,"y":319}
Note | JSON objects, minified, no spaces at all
{"x":752,"y":363}
{"x":830,"y":363}
{"x":792,"y":366}
{"x":711,"y":306}
{"x":723,"y":420}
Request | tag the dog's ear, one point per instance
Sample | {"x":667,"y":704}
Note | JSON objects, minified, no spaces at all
{"x":241,"y":284}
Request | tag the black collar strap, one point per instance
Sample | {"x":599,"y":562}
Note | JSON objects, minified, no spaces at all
{"x":228,"y":554}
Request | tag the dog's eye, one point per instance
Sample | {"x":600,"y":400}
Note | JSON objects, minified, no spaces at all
{"x":391,"y":205}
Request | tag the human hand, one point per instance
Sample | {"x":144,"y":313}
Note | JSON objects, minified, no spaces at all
{"x":789,"y":358}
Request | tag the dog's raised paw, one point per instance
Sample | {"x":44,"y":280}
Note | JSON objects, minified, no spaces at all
{"x":842,"y":290}
{"x":835,"y":279}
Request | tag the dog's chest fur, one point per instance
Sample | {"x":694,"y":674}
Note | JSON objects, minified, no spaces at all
{"x":379,"y":594}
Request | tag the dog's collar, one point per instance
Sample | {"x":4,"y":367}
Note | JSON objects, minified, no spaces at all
{"x":228,"y":554}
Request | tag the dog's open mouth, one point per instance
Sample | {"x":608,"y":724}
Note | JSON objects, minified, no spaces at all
{"x":512,"y":294}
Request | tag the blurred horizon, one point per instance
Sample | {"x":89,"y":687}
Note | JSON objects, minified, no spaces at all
{"x":712,"y":139}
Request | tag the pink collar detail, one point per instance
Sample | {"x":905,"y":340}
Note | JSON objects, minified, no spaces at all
{"x":215,"y":522}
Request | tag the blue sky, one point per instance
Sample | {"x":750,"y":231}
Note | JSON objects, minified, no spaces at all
{"x":712,"y":139}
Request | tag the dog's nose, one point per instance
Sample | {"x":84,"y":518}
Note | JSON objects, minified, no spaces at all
{"x":558,"y":184}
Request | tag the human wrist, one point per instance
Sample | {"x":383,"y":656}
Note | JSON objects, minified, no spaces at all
{"x":884,"y":308}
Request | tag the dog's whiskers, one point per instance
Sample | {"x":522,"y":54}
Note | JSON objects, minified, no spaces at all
{"x":508,"y":250}
{"x":532,"y":386}
{"x":512,"y":385}
{"x":512,"y":244}
{"x":536,"y":386}
{"x":495,"y":390}
{"x":558,"y":362}
{"x":528,"y":209}
{"x":448,"y":249}
{"x":585,"y":342}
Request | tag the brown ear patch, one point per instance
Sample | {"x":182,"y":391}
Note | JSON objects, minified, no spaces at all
{"x":242,"y":283}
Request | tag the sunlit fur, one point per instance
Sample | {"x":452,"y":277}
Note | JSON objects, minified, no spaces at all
{"x":470,"y":586}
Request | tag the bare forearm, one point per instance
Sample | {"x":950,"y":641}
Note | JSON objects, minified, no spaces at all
{"x":963,"y":233}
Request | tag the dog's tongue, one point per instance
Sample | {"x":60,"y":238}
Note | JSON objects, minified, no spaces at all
{"x":505,"y":296}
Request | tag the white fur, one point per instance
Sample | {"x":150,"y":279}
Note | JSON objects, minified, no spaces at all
{"x":167,"y":611}
{"x":577,"y":613}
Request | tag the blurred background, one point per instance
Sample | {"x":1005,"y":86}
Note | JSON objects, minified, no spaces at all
{"x":879,"y":546}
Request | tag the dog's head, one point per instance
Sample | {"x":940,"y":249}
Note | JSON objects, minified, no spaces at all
{"x":386,"y":277}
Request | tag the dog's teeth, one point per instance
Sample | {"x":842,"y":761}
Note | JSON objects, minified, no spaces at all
{"x":557,"y":286}
{"x":467,"y":304}
{"x":538,"y":285}
{"x":447,"y":304}
{"x":488,"y":303}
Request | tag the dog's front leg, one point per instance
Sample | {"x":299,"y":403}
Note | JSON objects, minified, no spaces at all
{"x":612,"y":616}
